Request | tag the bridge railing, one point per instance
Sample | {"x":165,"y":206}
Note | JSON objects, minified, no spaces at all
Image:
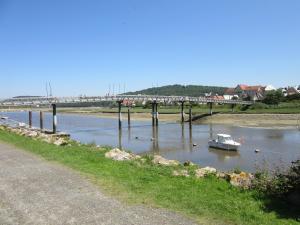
{"x":65,"y":100}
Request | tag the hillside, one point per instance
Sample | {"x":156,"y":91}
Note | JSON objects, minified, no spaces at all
{"x":180,"y":90}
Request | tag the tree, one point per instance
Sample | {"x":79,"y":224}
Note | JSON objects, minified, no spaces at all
{"x":273,"y":97}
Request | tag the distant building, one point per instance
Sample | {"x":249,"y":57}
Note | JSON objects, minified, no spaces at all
{"x":127,"y":103}
{"x":253,"y":92}
{"x":230,"y":94}
{"x":270,"y":88}
{"x":292,"y":91}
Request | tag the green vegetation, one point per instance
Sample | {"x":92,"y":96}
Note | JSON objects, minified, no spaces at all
{"x":209,"y":200}
{"x":181,"y":90}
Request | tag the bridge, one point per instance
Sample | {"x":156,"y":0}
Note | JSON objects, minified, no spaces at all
{"x":35,"y":101}
{"x":155,"y":100}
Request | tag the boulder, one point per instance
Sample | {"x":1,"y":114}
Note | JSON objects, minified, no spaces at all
{"x":188,"y":163}
{"x":60,"y":142}
{"x":119,"y":155}
{"x":243,"y":180}
{"x":165,"y":162}
{"x":181,"y":173}
{"x":32,"y":134}
{"x":222,"y":175}
{"x":202,"y":172}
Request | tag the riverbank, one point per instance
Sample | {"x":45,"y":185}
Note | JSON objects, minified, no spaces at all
{"x":209,"y":200}
{"x":284,"y":121}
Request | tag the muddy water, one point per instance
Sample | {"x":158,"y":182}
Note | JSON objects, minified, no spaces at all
{"x":175,"y":141}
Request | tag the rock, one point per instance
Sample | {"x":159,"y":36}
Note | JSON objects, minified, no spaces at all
{"x":222,"y":175}
{"x":119,"y":155}
{"x":165,"y":162}
{"x":202,"y":172}
{"x":243,"y":180}
{"x":60,"y":142}
{"x":181,"y":173}
{"x":188,"y":163}
{"x":32,"y":134}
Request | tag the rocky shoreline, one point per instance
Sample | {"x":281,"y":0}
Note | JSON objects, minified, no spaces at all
{"x":188,"y":169}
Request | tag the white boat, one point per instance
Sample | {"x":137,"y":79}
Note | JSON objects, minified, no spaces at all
{"x":4,"y":118}
{"x":224,"y":141}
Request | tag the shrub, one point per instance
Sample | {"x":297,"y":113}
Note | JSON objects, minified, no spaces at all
{"x":281,"y":184}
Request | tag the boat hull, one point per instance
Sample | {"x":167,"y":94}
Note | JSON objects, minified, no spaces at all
{"x":223,"y":146}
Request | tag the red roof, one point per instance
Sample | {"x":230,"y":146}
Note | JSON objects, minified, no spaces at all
{"x":245,"y":87}
{"x":229,"y":91}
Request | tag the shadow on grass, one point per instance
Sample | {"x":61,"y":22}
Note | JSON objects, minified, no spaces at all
{"x":282,"y":208}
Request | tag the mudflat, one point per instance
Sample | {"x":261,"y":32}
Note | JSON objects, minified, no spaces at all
{"x":255,"y":120}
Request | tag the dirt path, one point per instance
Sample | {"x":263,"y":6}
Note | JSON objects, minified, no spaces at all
{"x":34,"y":191}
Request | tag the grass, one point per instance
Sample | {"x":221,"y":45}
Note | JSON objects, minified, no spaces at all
{"x":208,"y":200}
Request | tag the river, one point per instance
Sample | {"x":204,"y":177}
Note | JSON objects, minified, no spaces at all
{"x":278,"y":147}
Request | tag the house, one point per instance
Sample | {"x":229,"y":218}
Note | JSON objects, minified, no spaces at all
{"x":128,"y":103}
{"x":230,"y":94}
{"x":270,"y":88}
{"x":252,"y":92}
{"x":292,"y":91}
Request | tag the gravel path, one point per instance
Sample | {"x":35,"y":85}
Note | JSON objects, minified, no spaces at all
{"x":34,"y":191}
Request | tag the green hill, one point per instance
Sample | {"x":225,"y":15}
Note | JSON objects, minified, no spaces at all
{"x":180,"y":90}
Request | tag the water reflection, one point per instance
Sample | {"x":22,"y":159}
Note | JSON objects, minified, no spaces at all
{"x":222,"y":155}
{"x":154,"y":139}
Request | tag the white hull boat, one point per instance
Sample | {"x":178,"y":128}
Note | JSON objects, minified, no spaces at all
{"x":225,"y":142}
{"x":4,"y":118}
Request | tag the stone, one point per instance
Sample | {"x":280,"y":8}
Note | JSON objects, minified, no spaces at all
{"x":32,"y":134}
{"x":188,"y":163}
{"x":60,"y":142}
{"x":181,"y":173}
{"x":119,"y":155}
{"x":202,"y":172}
{"x":243,"y":180}
{"x":165,"y":162}
{"x":222,"y":175}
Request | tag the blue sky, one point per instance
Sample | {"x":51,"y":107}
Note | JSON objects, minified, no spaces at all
{"x":83,"y":46}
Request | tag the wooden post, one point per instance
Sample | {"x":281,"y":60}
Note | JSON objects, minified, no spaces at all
{"x":128,"y":116}
{"x":182,"y":112}
{"x":120,"y":114}
{"x":156,"y":114}
{"x":153,"y":116}
{"x":232,"y":107}
{"x":54,"y":118}
{"x":30,"y":119}
{"x":190,"y":114}
{"x":41,"y":120}
{"x":210,"y":108}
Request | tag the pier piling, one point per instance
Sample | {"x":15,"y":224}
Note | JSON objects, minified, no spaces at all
{"x":156,"y":114}
{"x":41,"y":120}
{"x":30,"y":119}
{"x":182,"y":112}
{"x":54,"y":118}
{"x":120,"y":114}
{"x":210,"y":108}
{"x":190,"y":115}
{"x":128,"y":116}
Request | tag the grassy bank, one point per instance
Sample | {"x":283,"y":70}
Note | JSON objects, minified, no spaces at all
{"x":209,"y":200}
